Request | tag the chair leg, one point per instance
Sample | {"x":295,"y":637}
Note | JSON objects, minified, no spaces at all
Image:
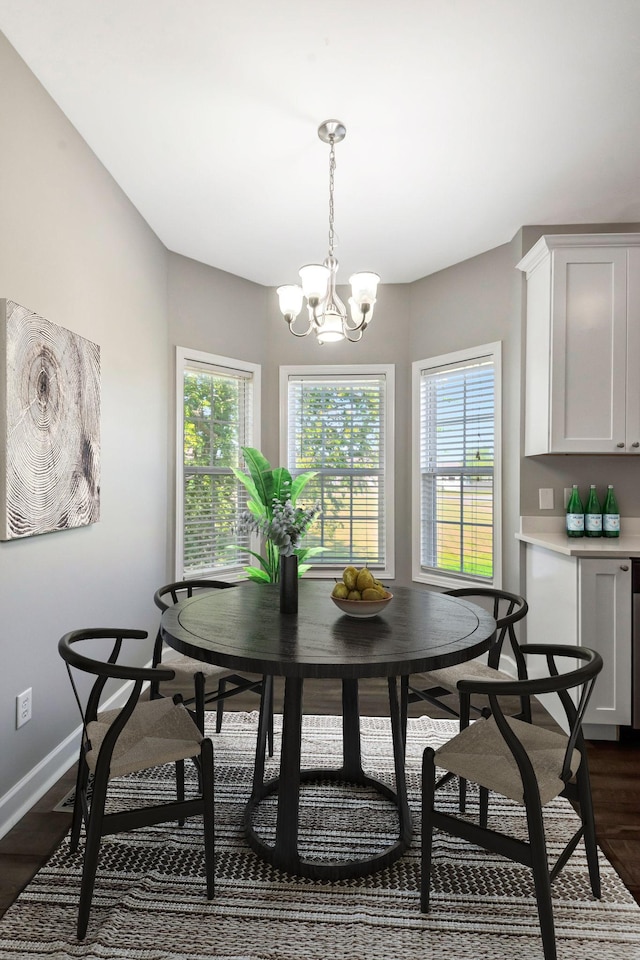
{"x":91,"y":852}
{"x":222,"y":686}
{"x":404,"y":707}
{"x":541,"y":879}
{"x":180,"y":785}
{"x":588,"y":821}
{"x":82,"y":779}
{"x":484,"y":807}
{"x":206,"y":765}
{"x":428,"y":792}
{"x":265,"y":721}
{"x":465,"y":709}
{"x":198,"y":681}
{"x":269,"y":681}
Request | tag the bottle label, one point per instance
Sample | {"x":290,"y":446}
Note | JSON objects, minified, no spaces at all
{"x":593,"y":522}
{"x":575,"y":521}
{"x":611,"y":521}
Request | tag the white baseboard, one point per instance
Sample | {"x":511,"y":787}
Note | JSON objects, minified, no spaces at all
{"x":17,"y":801}
{"x":21,"y":797}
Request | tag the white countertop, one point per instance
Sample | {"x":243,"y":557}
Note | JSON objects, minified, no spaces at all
{"x":549,"y":532}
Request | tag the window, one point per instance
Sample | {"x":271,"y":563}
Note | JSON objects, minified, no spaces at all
{"x":217,"y":414}
{"x":338,"y":420}
{"x":456,"y":473}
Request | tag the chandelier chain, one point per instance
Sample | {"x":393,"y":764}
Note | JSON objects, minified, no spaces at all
{"x":332,"y":170}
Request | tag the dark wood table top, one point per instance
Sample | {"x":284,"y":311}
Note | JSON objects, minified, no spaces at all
{"x":243,"y":629}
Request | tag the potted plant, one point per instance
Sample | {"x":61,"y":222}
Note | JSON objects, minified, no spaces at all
{"x":273,"y":512}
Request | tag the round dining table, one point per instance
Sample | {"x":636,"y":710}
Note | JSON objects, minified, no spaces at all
{"x":243,"y":629}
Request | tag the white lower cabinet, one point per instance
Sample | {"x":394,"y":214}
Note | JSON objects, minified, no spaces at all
{"x":585,"y":602}
{"x":604,"y":589}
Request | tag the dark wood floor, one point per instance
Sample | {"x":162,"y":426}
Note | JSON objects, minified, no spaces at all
{"x":615,"y":777}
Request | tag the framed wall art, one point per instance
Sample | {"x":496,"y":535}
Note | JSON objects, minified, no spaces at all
{"x":49,"y":425}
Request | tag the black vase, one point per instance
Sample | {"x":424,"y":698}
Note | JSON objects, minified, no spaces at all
{"x":289,"y":584}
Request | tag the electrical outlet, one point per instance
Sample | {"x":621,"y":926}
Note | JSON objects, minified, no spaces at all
{"x":545,"y":498}
{"x":23,"y":708}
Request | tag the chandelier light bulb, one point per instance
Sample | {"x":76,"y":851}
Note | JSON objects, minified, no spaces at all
{"x":315,"y":282}
{"x":328,"y":317}
{"x":290,"y":300}
{"x":330,"y":330}
{"x":364,"y":287}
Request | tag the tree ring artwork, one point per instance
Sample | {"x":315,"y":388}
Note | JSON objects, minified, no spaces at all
{"x":49,"y":426}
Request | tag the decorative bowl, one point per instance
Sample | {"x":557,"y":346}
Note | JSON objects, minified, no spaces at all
{"x":362,"y":609}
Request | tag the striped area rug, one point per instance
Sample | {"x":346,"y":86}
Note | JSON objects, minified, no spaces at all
{"x":150,"y":899}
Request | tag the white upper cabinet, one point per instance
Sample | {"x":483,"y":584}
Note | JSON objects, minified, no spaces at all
{"x":582,"y":386}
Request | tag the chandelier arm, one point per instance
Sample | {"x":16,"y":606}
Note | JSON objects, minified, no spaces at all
{"x":358,"y":331}
{"x":306,"y":333}
{"x":350,"y":325}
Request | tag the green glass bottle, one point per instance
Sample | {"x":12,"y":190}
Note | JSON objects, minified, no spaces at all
{"x":575,"y":514}
{"x":593,"y":514}
{"x":610,"y":515}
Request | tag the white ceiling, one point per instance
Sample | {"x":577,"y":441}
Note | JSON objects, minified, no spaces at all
{"x":465,"y":120}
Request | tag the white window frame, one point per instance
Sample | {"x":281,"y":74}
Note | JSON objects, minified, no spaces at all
{"x":447,"y":580}
{"x":388,"y":370}
{"x":184,"y":356}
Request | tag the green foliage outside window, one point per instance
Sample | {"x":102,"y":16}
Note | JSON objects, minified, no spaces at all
{"x":213,"y":427}
{"x":336,"y":430}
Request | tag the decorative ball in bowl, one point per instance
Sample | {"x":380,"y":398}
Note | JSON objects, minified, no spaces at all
{"x":362,"y":609}
{"x":359,"y":594}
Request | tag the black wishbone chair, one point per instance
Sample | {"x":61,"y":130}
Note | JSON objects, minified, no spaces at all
{"x":199,"y":683}
{"x":436,"y":686}
{"x":527,"y":763}
{"x":125,"y":740}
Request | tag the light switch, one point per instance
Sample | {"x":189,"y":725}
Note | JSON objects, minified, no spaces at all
{"x":546,"y":498}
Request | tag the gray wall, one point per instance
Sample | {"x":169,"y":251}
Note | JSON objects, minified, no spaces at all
{"x":469,"y":304}
{"x":218,"y":313}
{"x":73,"y":248}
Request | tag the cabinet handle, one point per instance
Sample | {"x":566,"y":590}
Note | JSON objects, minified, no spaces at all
{"x":636,"y":444}
{"x":619,"y":444}
{"x":624,"y":567}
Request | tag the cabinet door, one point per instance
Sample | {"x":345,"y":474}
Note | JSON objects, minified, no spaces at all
{"x":633,"y":351}
{"x":588,"y":350}
{"x":605,"y":626}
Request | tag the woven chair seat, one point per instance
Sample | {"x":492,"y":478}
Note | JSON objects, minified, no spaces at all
{"x":158,"y":731}
{"x":185,"y":669}
{"x":480,"y":753}
{"x":448,"y":677}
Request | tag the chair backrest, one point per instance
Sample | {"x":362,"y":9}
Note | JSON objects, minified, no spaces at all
{"x":172,"y":593}
{"x":507,"y":609}
{"x":103,"y":670}
{"x":582,"y":678}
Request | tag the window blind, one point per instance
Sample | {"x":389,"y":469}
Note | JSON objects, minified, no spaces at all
{"x":217,"y":422}
{"x":336,"y":427}
{"x":457,"y":431}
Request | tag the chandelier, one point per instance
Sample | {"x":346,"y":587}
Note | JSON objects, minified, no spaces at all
{"x":328,"y":317}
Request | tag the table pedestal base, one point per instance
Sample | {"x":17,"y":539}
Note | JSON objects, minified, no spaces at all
{"x":284,"y":852}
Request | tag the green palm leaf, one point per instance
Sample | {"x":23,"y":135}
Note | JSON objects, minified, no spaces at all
{"x":262,"y":476}
{"x":300,"y":483}
{"x":281,"y":484}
